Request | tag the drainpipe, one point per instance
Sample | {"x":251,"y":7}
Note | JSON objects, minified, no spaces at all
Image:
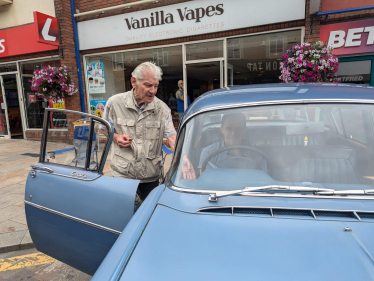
{"x":77,"y":55}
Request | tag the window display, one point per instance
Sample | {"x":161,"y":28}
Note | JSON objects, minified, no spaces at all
{"x":34,"y":106}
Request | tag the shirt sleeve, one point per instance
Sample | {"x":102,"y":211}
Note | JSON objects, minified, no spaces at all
{"x":204,"y":154}
{"x":169,"y":126}
{"x":179,"y":94}
{"x":107,"y":115}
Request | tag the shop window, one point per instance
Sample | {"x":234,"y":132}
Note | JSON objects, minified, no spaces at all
{"x":276,"y":46}
{"x":8,"y":67}
{"x":233,"y":49}
{"x":256,"y":59}
{"x":35,"y":106}
{"x":205,"y":50}
{"x":356,"y":72}
{"x":115,"y":73}
{"x":160,"y":57}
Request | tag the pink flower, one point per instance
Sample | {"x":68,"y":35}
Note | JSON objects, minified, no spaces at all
{"x":310,"y":65}
{"x":332,"y":63}
{"x":303,"y":78}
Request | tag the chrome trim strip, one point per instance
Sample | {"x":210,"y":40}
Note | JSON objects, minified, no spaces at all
{"x":73,"y":218}
{"x":357,"y":216}
{"x":284,"y":102}
{"x":70,"y":177}
{"x":314,"y":215}
{"x":289,"y":208}
{"x":266,"y":194}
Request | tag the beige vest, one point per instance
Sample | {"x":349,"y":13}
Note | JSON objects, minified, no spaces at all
{"x":141,"y":160}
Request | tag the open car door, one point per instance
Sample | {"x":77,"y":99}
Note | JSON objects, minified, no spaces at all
{"x":74,"y":212}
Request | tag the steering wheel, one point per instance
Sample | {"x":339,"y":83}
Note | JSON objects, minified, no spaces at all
{"x":226,"y":148}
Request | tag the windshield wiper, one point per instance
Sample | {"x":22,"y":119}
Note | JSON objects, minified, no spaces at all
{"x":214,"y":196}
{"x":347,"y":192}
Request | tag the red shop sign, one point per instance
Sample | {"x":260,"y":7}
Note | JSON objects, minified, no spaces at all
{"x":23,"y":40}
{"x":349,"y":37}
{"x":46,"y":28}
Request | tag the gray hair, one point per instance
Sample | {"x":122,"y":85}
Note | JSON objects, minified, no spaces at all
{"x":138,"y":72}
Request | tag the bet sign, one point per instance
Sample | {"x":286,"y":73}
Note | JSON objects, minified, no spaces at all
{"x":349,"y":37}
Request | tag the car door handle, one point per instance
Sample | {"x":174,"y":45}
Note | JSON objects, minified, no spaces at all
{"x":46,"y":169}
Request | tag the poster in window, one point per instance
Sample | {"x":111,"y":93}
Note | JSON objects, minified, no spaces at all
{"x":96,"y":78}
{"x":97,"y":107}
{"x":58,"y":119}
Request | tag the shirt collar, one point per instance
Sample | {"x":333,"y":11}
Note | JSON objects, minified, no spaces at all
{"x":135,"y":103}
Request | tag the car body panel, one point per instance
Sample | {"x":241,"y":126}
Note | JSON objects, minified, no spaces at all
{"x":183,"y":246}
{"x":117,"y":258}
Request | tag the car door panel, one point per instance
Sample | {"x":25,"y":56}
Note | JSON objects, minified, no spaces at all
{"x":75,"y":215}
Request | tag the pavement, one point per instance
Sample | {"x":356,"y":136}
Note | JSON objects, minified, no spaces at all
{"x":16,"y":156}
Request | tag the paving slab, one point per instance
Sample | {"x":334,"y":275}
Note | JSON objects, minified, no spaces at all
{"x":11,"y":241}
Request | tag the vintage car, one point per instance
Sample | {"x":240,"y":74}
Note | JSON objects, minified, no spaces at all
{"x":284,"y":192}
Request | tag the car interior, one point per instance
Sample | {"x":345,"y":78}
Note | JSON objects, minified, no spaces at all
{"x":329,"y":157}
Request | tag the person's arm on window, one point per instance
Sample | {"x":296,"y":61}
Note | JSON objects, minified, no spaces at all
{"x":179,"y":95}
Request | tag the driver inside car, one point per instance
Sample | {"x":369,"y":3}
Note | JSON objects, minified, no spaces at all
{"x":233,"y":128}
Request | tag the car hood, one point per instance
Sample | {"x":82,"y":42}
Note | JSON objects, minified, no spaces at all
{"x":194,"y":246}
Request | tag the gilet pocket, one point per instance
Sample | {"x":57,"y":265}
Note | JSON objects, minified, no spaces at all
{"x":127,"y":126}
{"x":152,"y":138}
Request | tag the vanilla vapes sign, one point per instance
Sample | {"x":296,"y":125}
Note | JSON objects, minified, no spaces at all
{"x":185,"y":19}
{"x":161,"y":18}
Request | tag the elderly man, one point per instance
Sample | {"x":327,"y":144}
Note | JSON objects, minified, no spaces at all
{"x":140,"y":121}
{"x":233,"y":128}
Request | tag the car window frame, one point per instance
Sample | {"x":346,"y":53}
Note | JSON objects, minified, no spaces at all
{"x":91,"y":118}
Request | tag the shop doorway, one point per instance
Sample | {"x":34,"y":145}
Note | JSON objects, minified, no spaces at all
{"x":10,"y":114}
{"x":203,"y":77}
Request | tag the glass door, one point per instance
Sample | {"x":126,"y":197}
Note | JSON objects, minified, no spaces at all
{"x":9,"y":86}
{"x":4,"y":123}
{"x":203,"y":77}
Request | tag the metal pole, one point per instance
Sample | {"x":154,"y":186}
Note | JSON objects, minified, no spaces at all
{"x":77,"y":56}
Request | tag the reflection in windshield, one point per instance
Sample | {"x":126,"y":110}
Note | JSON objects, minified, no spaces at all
{"x":317,"y":145}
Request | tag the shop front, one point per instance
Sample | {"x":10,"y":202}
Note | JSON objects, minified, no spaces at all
{"x":20,"y":108}
{"x":202,"y":62}
{"x":353,"y":43}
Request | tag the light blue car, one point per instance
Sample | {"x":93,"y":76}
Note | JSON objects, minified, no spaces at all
{"x":281,"y":188}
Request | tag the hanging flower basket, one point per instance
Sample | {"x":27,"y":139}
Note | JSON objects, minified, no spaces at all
{"x":309,"y":63}
{"x":52,"y":82}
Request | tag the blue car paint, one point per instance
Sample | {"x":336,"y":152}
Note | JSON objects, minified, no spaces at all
{"x":183,"y":246}
{"x":112,"y":197}
{"x":113,"y":265}
{"x":52,"y":233}
{"x":104,"y":201}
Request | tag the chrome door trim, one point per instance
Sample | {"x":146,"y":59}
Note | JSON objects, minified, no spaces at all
{"x":268,"y":194}
{"x":70,"y":177}
{"x":73,"y":218}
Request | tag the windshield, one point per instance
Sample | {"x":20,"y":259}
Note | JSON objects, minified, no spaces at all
{"x":317,"y":145}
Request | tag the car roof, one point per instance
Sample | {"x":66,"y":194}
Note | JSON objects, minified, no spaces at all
{"x":267,"y":93}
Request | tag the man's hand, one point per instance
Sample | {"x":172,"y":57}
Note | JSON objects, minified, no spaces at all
{"x":187,"y":169}
{"x":172,"y":141}
{"x":123,"y":141}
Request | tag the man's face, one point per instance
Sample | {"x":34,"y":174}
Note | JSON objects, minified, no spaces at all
{"x":180,"y":84}
{"x":233,"y":129}
{"x":146,"y":89}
